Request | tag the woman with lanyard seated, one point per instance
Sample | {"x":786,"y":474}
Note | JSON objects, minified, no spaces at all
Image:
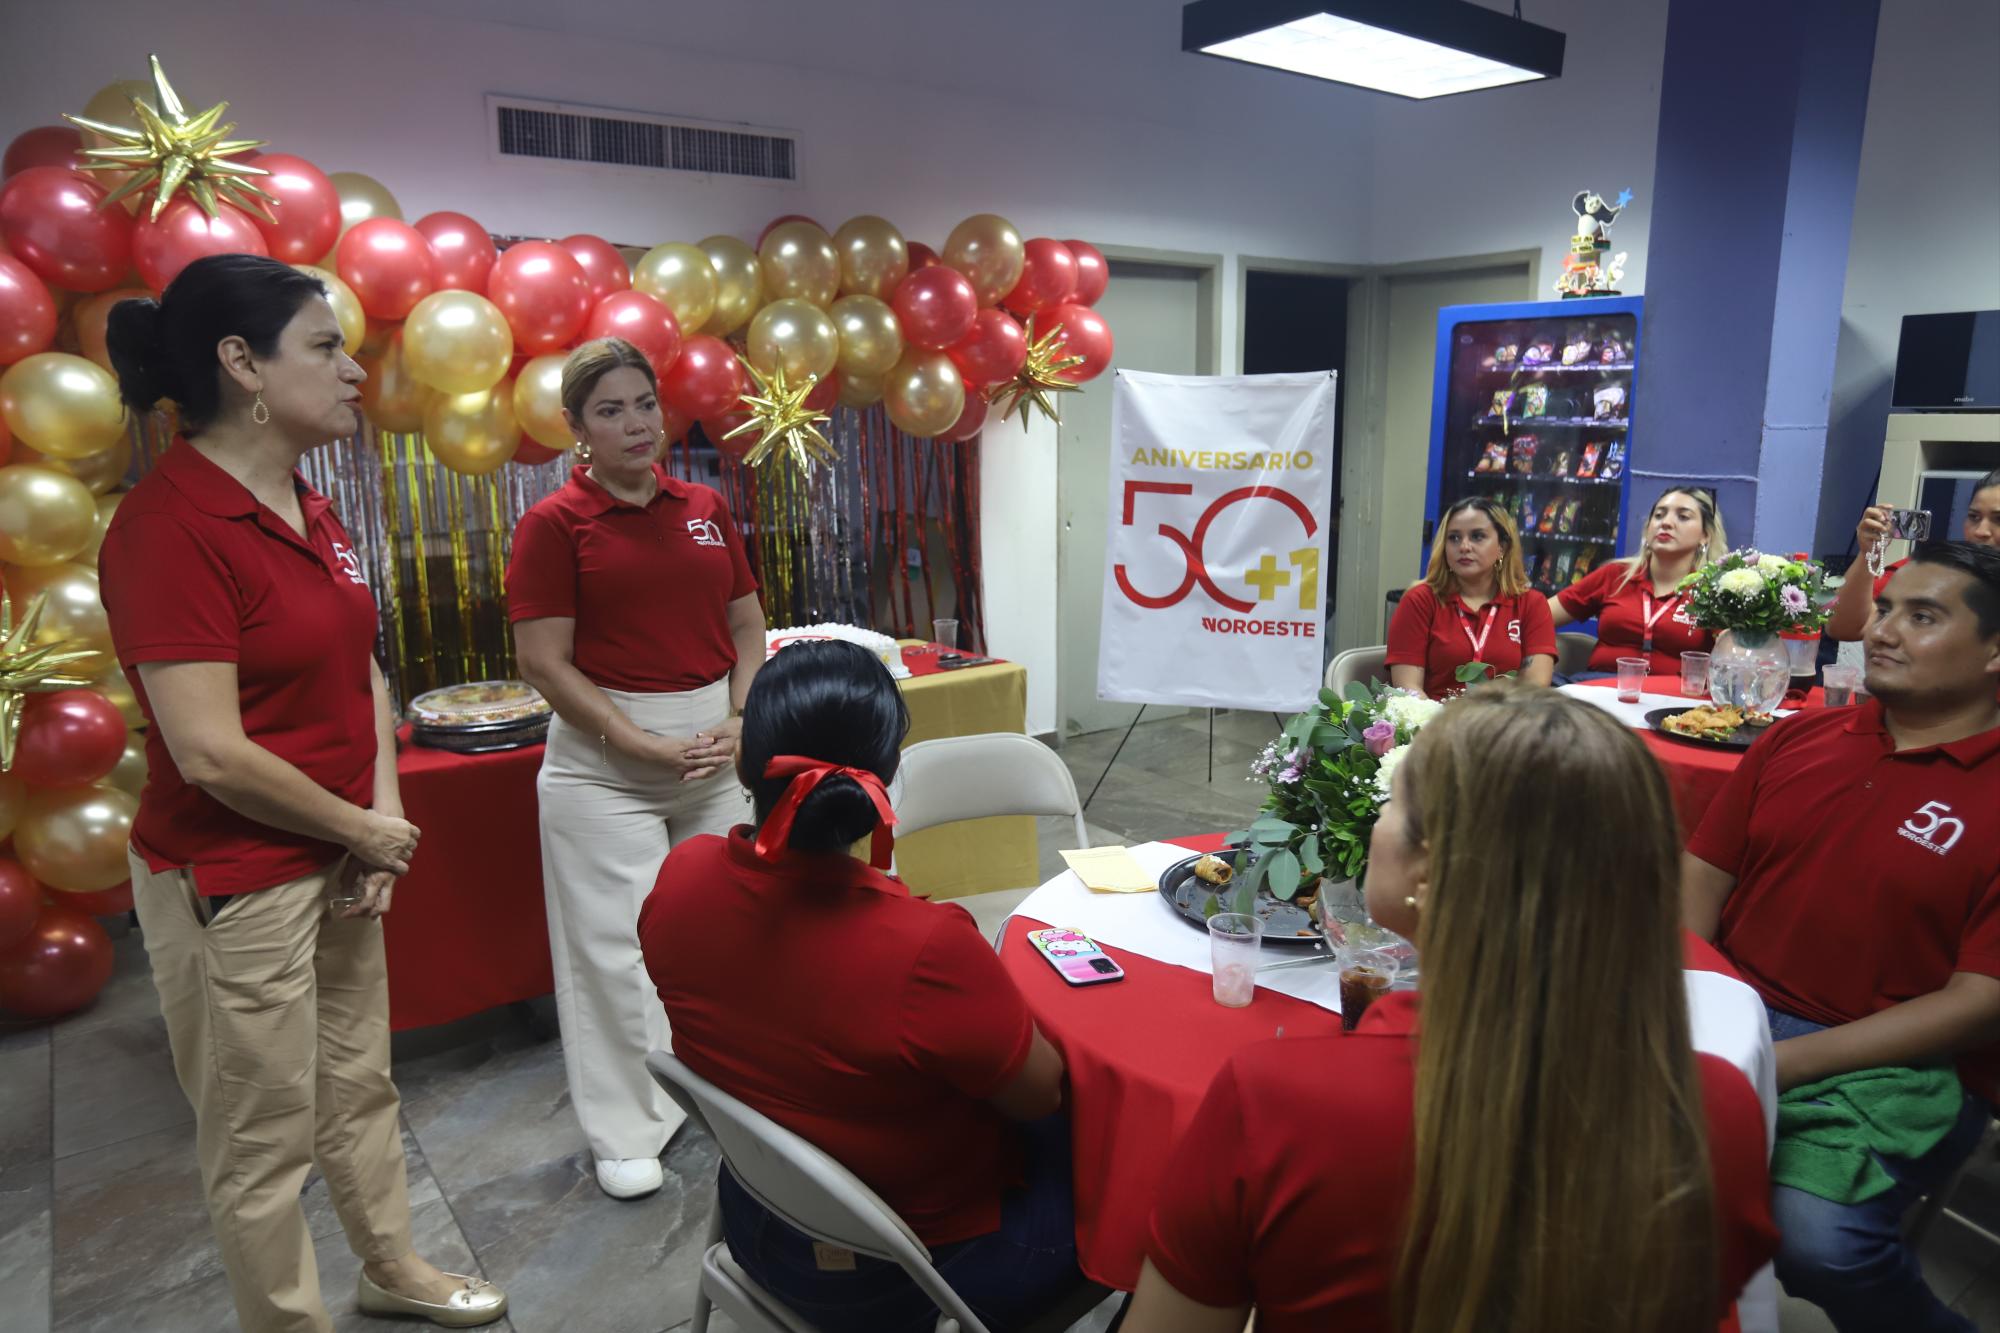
{"x":879,"y":1027}
{"x":1866,"y":577}
{"x":1475,"y":585}
{"x":1533,"y":1144}
{"x":1638,"y":603}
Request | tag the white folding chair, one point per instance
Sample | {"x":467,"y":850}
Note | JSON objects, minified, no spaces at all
{"x":973,"y":777}
{"x":1573,"y":652}
{"x":818,"y":1196}
{"x":1363,"y":664}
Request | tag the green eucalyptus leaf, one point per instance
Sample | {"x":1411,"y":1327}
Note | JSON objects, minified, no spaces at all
{"x":1471,"y":671}
{"x":1246,"y":900}
{"x":1310,"y":858}
{"x":1328,"y":699}
{"x":1359,"y":693}
{"x":1281,"y":873}
{"x":1209,"y":907}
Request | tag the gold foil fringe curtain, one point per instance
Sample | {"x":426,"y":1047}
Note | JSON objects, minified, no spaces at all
{"x":885,"y":537}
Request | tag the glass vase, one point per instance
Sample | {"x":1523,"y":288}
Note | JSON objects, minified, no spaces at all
{"x":1749,"y":669}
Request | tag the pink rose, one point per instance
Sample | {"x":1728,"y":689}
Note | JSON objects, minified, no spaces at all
{"x":1380,"y":737}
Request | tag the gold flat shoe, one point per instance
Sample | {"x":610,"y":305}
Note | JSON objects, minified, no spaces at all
{"x":476,"y":1302}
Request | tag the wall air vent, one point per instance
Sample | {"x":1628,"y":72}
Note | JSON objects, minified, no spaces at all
{"x":597,"y":137}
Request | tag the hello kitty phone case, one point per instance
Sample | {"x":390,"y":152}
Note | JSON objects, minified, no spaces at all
{"x":1075,"y":956}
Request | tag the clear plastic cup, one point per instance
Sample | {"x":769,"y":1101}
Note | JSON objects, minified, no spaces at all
{"x":1840,"y":680}
{"x":1632,"y":678}
{"x":945,"y":632}
{"x":1365,"y":976}
{"x":1233,"y":941}
{"x":1694,"y":675}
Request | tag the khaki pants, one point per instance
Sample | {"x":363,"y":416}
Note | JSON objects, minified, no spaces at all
{"x":607,"y":822}
{"x":279,"y":1021}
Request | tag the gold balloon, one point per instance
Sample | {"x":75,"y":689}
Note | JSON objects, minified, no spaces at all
{"x":361,"y":197}
{"x":73,"y":838}
{"x":924,"y":393}
{"x":114,"y":686}
{"x":393,"y":399}
{"x":795,"y":335}
{"x":112,"y":105}
{"x":680,"y":278}
{"x":798,"y":259}
{"x":457,"y":342}
{"x":988,"y":251}
{"x":472,"y":433}
{"x":89,"y":317}
{"x":62,"y":405}
{"x":13,"y":795}
{"x":739,"y":284}
{"x":74,"y":609}
{"x":100,"y":472}
{"x":346,"y":306}
{"x":873,"y":256}
{"x":538,"y":405}
{"x":45,"y":517}
{"x":129,"y":773}
{"x":871,"y":340}
{"x":107,"y":505}
{"x":860,"y":390}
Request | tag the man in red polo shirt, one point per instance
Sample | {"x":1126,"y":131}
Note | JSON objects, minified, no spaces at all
{"x":1851,"y":872}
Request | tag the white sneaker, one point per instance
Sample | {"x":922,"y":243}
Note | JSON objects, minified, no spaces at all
{"x":629,"y":1177}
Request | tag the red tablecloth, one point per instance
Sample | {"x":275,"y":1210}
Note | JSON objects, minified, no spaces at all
{"x":1141,"y":1053}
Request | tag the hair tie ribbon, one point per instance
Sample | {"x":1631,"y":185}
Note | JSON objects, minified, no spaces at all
{"x":806,"y":775}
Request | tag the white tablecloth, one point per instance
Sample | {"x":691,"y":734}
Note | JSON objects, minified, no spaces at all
{"x":1634,"y":715}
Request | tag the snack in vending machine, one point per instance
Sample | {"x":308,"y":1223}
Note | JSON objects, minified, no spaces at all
{"x":1540,"y":351}
{"x":1609,"y":401}
{"x":1614,"y":462}
{"x":1527,"y":513}
{"x":1585,"y":559}
{"x":1503,"y":403}
{"x":1568,"y":522}
{"x":1493,"y":458}
{"x":1533,"y":401}
{"x":1577,"y":350}
{"x":1561,"y":468}
{"x":1588,"y":467}
{"x":1524,"y":454}
{"x":1564,"y":562}
{"x":1613,"y":351}
{"x":1550,"y":513}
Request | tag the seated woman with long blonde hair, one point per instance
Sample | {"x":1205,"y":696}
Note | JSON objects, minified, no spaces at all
{"x":1544,"y":1152}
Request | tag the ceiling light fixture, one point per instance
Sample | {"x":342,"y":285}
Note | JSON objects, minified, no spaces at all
{"x":1411,"y":48}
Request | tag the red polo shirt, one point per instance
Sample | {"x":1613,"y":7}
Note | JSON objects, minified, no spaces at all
{"x":873,"y":1024}
{"x":1439,"y":634}
{"x":1291,"y":1185}
{"x":1864,"y":877}
{"x":194,"y":569}
{"x":648,"y":586}
{"x":1621,"y":620}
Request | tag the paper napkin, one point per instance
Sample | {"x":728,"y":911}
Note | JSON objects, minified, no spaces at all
{"x":1109,"y":870}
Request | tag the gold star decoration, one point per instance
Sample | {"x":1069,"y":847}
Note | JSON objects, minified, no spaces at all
{"x":1041,"y":376}
{"x":29,"y":668}
{"x":785,"y":426}
{"x":171,"y":149}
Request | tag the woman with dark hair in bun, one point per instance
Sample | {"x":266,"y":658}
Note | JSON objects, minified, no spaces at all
{"x":240,"y":614}
{"x":880,"y":1027}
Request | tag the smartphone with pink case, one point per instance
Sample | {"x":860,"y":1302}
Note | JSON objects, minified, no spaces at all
{"x":1075,"y":956}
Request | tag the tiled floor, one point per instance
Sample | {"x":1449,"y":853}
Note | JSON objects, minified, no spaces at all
{"x":102,"y":1225}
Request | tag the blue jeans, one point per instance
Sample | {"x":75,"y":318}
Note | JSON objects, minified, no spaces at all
{"x":1008,"y":1277}
{"x":1850,"y":1259}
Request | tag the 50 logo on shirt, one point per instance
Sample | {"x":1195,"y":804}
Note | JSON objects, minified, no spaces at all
{"x":350,"y":563}
{"x":1932,"y":819}
{"x":705,"y":531}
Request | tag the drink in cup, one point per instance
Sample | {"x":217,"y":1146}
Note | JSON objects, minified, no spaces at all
{"x":1233,"y":941}
{"x":1365,"y":975}
{"x":1694,"y":675}
{"x":1631,"y":678}
{"x":945,"y":632}
{"x":1840,"y":682}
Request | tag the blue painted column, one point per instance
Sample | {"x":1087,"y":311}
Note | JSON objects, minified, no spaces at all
{"x":1761,"y":113}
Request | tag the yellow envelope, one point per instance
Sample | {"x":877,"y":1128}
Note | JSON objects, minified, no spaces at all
{"x":1109,"y":870}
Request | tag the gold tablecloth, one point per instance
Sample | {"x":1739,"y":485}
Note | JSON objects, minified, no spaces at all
{"x":977,"y":855}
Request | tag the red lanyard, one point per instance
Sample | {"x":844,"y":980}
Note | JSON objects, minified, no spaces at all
{"x":1653,"y":617}
{"x":1478,"y":644}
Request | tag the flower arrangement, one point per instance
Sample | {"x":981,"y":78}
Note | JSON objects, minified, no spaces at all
{"x":1759,"y":593}
{"x":1328,"y":774}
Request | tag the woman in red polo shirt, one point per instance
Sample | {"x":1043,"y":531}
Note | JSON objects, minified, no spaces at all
{"x":1534,"y":1144}
{"x":1474,"y":605}
{"x":1638,"y":603}
{"x":240,"y":615}
{"x":877,"y":1026}
{"x":1855,"y":603}
{"x":636,"y":617}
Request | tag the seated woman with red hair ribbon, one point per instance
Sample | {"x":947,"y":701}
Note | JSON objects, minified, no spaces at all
{"x":809,"y":984}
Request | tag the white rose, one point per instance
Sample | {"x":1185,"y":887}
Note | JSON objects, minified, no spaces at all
{"x":1742,"y":582}
{"x":1772,"y":564}
{"x":1387,"y":770}
{"x":1410,"y":711}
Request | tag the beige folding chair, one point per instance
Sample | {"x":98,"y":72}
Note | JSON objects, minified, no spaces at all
{"x":818,"y":1196}
{"x":1362,"y":664}
{"x":1573,"y":652}
{"x":973,"y":777}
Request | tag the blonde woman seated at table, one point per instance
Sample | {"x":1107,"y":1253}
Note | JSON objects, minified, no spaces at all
{"x":1473,"y":605}
{"x":1638,"y":602}
{"x":879,"y":1027}
{"x":1551,"y":1153}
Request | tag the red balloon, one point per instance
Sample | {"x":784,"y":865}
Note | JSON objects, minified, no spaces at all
{"x":936,"y":307}
{"x":970,"y":422}
{"x":534,"y":455}
{"x":1048,"y":277}
{"x":43,"y":146}
{"x":68,"y":738}
{"x":994,"y":351}
{"x":826,"y":394}
{"x":20,"y":903}
{"x":640,"y":320}
{"x":788,"y":217}
{"x":183,"y":234}
{"x":705,"y":380}
{"x":1093,"y":275}
{"x":921,"y":256}
{"x":719,"y":425}
{"x":1085,"y":334}
{"x":307,"y":211}
{"x":544,"y":294}
{"x":58,"y":968}
{"x":114,"y":901}
{"x":27,"y":312}
{"x":51,"y":221}
{"x":388,"y":264}
{"x":603,"y":267}
{"x":462,"y":254}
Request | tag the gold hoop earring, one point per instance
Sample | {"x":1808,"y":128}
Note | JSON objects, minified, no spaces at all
{"x":260,"y":413}
{"x":583,"y":451}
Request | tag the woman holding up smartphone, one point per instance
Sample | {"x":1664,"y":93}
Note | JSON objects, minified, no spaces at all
{"x":1855,"y":604}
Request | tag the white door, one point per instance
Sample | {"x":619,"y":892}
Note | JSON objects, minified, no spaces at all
{"x":1154,"y":312}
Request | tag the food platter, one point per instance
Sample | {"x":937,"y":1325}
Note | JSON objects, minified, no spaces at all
{"x":1287,"y":925}
{"x":1741,"y":737}
{"x":479,"y":716}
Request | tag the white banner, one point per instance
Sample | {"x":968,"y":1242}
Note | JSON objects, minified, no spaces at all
{"x":1213,"y":588}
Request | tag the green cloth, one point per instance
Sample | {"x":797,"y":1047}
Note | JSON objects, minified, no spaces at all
{"x":1833,"y":1134}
